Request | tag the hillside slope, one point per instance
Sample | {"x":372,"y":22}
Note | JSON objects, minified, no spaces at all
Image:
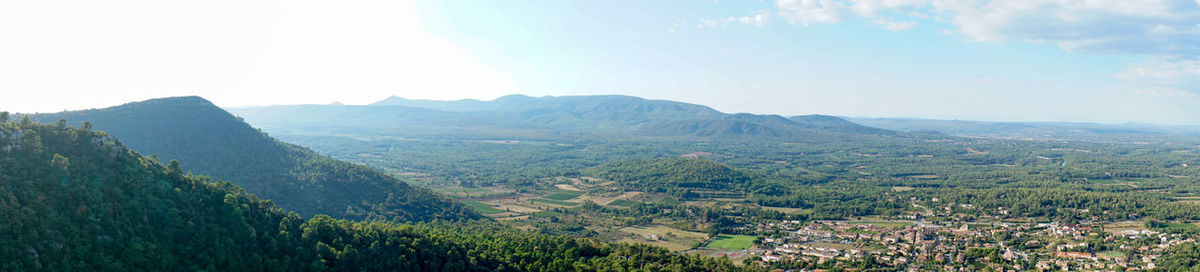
{"x":212,"y":142}
{"x":77,"y":199}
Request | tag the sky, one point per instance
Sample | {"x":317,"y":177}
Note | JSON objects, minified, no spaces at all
{"x":1013,"y":60}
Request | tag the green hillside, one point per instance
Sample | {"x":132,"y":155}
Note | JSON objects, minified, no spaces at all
{"x":210,"y":141}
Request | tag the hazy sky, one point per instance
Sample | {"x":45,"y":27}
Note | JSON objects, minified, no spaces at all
{"x":1064,"y":60}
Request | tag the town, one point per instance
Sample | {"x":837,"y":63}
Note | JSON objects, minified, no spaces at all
{"x":963,"y":246}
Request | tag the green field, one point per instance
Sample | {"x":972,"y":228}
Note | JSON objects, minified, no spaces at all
{"x":623,"y":203}
{"x":555,"y":202}
{"x":483,"y":208}
{"x":1101,"y":181}
{"x":563,"y":195}
{"x":732,"y":242}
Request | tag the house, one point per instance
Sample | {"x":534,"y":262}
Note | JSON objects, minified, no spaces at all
{"x":1076,"y":255}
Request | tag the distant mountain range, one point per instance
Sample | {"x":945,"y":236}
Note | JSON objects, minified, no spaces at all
{"x":524,"y":116}
{"x":212,"y":142}
{"x":1089,"y":132}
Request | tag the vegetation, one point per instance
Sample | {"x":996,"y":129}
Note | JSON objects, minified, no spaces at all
{"x":732,"y":242}
{"x":556,"y":202}
{"x":77,"y":199}
{"x":824,"y":168}
{"x":563,"y":195}
{"x":483,"y":208}
{"x":678,"y":177}
{"x":210,"y":141}
{"x":1184,"y":257}
{"x":679,"y":168}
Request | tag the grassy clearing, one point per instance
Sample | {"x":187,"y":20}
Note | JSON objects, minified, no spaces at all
{"x":671,"y":238}
{"x":1123,"y":226}
{"x":483,"y":208}
{"x":1102,"y":181}
{"x":567,"y":187}
{"x":623,"y":203}
{"x":732,"y":242}
{"x":555,"y":202}
{"x":546,"y":214}
{"x":563,"y":195}
{"x":1182,"y":226}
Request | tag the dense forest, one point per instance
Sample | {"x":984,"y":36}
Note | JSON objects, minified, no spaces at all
{"x":686,"y":178}
{"x":211,"y":142}
{"x":78,"y":199}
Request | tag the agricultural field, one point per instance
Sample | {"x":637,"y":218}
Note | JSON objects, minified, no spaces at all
{"x":732,"y":242}
{"x":670,"y":238}
{"x":1188,"y":199}
{"x":545,"y":214}
{"x":556,"y":202}
{"x":563,"y":195}
{"x":609,"y":198}
{"x":623,"y":203}
{"x":483,"y":208}
{"x":1118,"y":227}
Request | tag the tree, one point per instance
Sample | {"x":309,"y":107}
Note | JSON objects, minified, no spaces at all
{"x":174,"y":168}
{"x":3,"y":116}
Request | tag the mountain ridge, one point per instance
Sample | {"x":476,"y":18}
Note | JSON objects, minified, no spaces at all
{"x":551,"y":115}
{"x":213,"y":142}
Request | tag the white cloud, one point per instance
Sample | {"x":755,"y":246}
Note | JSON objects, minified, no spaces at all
{"x":757,"y":19}
{"x":870,"y":8}
{"x":896,"y":25}
{"x":709,"y":23}
{"x":1152,"y":27}
{"x":1112,"y":26}
{"x":1166,"y":32}
{"x":1165,"y":72}
{"x":1163,"y":68}
{"x":808,"y":12}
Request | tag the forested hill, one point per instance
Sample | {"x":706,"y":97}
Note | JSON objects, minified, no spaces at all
{"x":837,"y":124}
{"x":212,"y":142}
{"x":518,"y":116}
{"x":681,"y":177}
{"x":78,"y":200}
